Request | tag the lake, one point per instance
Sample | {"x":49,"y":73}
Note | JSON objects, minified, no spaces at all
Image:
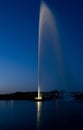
{"x":48,"y":115}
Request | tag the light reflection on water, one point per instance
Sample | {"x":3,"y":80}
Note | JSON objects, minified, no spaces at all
{"x":39,"y":105}
{"x":39,"y":111}
{"x":12,"y":103}
{"x":57,"y":106}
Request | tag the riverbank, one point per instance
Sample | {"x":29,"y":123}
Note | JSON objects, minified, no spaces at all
{"x":30,"y":95}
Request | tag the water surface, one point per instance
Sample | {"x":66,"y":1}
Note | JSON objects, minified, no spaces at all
{"x":29,"y":115}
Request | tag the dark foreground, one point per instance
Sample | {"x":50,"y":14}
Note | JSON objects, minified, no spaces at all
{"x":60,"y":114}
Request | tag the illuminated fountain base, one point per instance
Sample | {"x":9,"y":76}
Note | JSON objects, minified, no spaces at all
{"x":38,"y":99}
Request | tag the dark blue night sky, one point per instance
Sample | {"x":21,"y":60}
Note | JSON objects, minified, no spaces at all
{"x":19,"y":43}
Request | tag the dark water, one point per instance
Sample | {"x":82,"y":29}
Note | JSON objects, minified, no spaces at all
{"x":49,"y":115}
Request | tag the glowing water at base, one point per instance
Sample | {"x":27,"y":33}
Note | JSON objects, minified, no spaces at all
{"x":39,"y":95}
{"x":47,"y":22}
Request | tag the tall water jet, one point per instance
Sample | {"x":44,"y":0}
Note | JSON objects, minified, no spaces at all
{"x":47,"y":22}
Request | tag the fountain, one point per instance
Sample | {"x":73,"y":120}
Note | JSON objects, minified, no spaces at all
{"x":47,"y":22}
